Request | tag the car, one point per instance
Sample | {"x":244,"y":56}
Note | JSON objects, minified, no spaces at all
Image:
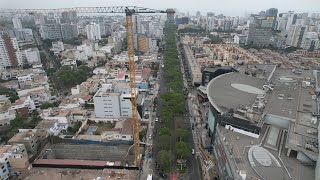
{"x":150,"y":136}
{"x":163,"y":175}
{"x":192,"y":151}
{"x":157,"y":119}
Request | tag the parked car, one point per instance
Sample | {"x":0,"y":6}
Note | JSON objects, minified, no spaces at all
{"x":192,"y":151}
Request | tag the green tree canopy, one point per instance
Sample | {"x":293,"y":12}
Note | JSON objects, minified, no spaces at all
{"x":164,"y":159}
{"x":183,"y":150}
{"x":164,"y":131}
{"x":182,"y":134}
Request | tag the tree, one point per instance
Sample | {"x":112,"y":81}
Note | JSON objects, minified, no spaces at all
{"x":143,"y":134}
{"x":164,"y":159}
{"x":35,"y":119}
{"x":13,"y":96}
{"x":182,"y":133}
{"x":48,"y":105}
{"x":183,"y":150}
{"x":164,"y":131}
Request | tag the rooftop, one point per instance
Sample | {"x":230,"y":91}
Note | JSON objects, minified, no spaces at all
{"x":45,"y":124}
{"x":234,"y":89}
{"x":249,"y":157}
{"x":21,"y":135}
{"x":283,"y":101}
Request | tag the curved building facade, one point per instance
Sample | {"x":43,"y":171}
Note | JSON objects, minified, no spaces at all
{"x":261,"y":109}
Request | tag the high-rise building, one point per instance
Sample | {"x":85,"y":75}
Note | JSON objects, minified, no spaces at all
{"x":17,"y":23}
{"x":227,"y":25}
{"x":210,"y":14}
{"x":198,"y":14}
{"x":259,"y":33}
{"x":102,"y":29}
{"x":295,"y":35}
{"x":291,"y":18}
{"x":68,"y":17}
{"x":136,"y":23}
{"x":170,"y":15}
{"x":93,"y":31}
{"x":143,"y":43}
{"x":22,"y":35}
{"x":310,"y":41}
{"x":210,"y":24}
{"x":51,"y":31}
{"x":271,"y":14}
{"x":10,"y":55}
{"x":69,"y":31}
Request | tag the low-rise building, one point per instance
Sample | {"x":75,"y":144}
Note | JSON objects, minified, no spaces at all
{"x":72,"y":63}
{"x":30,"y":138}
{"x":31,"y":56}
{"x":15,"y":157}
{"x":83,"y":52}
{"x":53,"y":127}
{"x":57,"y":47}
{"x":5,"y":113}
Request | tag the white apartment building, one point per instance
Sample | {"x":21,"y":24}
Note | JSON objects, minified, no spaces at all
{"x":107,"y":104}
{"x":112,"y":103}
{"x":93,"y":31}
{"x":25,"y":78}
{"x":290,"y":17}
{"x":17,"y":23}
{"x":295,"y":35}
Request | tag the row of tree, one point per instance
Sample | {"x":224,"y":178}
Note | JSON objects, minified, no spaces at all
{"x":173,"y":106}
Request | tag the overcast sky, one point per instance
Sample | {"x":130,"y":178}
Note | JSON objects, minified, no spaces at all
{"x":227,"y":7}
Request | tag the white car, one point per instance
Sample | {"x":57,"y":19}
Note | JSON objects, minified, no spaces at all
{"x":150,"y":136}
{"x":192,"y":151}
{"x":157,"y":119}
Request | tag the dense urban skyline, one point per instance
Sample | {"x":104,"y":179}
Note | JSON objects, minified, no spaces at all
{"x":228,"y":7}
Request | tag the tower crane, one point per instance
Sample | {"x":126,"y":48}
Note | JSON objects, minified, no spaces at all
{"x":129,"y":11}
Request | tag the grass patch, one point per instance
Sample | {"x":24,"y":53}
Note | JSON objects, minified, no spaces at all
{"x":102,"y":126}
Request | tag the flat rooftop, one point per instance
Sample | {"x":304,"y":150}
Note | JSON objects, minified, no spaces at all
{"x":234,"y":89}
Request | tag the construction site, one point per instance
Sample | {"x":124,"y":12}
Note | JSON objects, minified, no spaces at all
{"x":66,"y":174}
